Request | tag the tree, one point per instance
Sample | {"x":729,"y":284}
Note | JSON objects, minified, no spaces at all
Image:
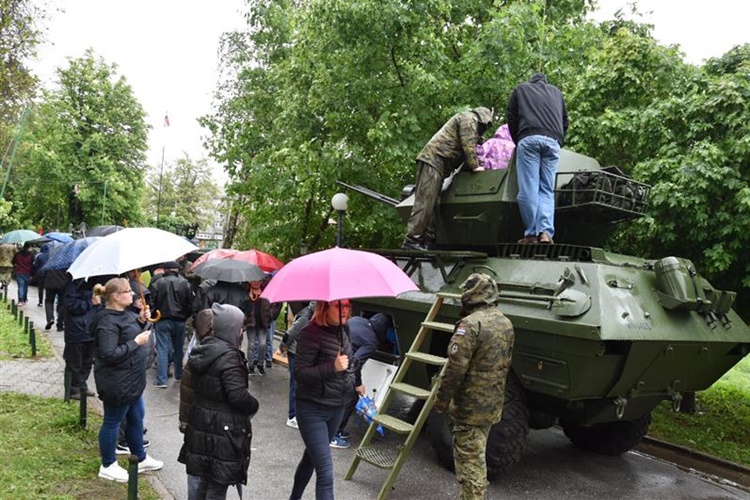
{"x":89,"y":135}
{"x":20,"y":33}
{"x":312,"y":98}
{"x":183,"y":194}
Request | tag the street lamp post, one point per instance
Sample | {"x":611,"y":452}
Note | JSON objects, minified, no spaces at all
{"x":339,"y":202}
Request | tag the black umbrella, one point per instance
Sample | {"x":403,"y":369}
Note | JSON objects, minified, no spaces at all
{"x":230,"y":271}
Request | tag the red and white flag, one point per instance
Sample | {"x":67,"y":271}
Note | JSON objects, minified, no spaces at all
{"x":166,"y":120}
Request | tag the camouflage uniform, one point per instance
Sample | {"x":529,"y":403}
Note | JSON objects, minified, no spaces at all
{"x":453,"y":144}
{"x":473,"y":383}
{"x":7,"y":251}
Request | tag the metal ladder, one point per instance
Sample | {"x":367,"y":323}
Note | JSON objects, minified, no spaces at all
{"x":394,"y":459}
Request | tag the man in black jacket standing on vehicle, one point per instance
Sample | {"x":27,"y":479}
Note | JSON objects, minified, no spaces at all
{"x":538,"y":121}
{"x":173,"y":298}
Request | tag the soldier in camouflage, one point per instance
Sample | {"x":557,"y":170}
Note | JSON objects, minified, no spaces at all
{"x":454,"y":144}
{"x":473,"y":383}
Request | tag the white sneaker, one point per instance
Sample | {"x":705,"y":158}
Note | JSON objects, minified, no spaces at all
{"x":114,"y":473}
{"x":149,"y":463}
{"x":292,"y":422}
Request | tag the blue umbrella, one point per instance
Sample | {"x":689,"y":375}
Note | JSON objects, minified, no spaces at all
{"x":19,"y":236}
{"x":63,"y":255}
{"x":61,"y":237}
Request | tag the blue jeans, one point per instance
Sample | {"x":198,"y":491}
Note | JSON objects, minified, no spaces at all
{"x":292,"y":386}
{"x":269,"y":348}
{"x":23,"y":287}
{"x":170,"y":341}
{"x":257,"y":339}
{"x":536,"y":165}
{"x":317,"y":425}
{"x":108,"y":434}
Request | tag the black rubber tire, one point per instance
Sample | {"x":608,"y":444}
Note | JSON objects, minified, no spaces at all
{"x":441,"y":437}
{"x":608,"y":439}
{"x":541,"y":420}
{"x":506,"y":440}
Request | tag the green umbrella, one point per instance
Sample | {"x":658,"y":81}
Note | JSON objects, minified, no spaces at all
{"x":19,"y":236}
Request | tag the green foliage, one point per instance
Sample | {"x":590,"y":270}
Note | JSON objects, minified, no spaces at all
{"x":91,"y":132}
{"x":312,"y":98}
{"x":20,"y":33}
{"x":14,"y":342}
{"x":184,"y":193}
{"x":47,"y":455}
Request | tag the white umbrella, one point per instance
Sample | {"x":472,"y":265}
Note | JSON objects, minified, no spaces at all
{"x":131,"y":248}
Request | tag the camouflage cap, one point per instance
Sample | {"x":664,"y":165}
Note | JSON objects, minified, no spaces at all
{"x":479,"y":289}
{"x":484,"y":115}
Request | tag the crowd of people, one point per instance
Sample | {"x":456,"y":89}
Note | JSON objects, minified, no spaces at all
{"x":121,"y":326}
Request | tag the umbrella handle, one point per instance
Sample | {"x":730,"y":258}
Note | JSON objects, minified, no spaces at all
{"x":156,"y":314}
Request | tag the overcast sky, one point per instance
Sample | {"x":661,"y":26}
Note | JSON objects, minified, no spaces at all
{"x":167,"y":49}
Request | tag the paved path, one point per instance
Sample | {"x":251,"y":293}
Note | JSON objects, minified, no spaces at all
{"x":42,"y":376}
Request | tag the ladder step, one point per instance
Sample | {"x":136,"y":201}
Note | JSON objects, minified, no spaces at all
{"x":393,"y":423}
{"x":448,"y":295}
{"x":441,"y":327}
{"x":411,"y":390}
{"x":429,"y":359}
{"x":377,"y":457}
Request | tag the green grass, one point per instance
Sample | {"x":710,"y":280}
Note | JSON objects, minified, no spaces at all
{"x":45,"y":453}
{"x":721,"y":424}
{"x":14,"y":342}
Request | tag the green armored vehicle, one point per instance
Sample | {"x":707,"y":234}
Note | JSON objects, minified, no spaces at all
{"x":601,"y":338}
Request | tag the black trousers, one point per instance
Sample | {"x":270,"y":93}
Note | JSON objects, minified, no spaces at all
{"x":79,"y":357}
{"x":49,"y":306}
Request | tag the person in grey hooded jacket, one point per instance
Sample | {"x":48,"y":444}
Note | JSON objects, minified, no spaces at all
{"x":219,"y":432}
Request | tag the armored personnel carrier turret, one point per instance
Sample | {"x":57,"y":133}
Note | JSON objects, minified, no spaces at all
{"x":601,"y":338}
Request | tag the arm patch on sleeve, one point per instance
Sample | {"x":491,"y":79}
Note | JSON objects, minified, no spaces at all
{"x":459,"y":331}
{"x":454,"y":348}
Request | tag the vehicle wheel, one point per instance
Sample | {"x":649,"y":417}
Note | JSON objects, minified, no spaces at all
{"x":441,"y":437}
{"x":541,"y":420}
{"x":608,"y":439}
{"x":506,"y":440}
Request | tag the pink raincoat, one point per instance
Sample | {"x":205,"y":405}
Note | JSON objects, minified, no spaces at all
{"x":495,"y":153}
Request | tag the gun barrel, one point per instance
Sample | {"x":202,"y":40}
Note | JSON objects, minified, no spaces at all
{"x":371,"y":194}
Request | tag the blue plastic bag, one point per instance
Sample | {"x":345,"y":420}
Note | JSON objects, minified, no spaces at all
{"x":366,"y":408}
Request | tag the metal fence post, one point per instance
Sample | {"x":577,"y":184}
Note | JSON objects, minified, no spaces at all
{"x":132,"y":477}
{"x":82,"y":408}
{"x":67,"y":381}
{"x":32,"y":339}
{"x":26,"y":325}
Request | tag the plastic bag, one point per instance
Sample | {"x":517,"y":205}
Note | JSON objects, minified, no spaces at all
{"x":366,"y":408}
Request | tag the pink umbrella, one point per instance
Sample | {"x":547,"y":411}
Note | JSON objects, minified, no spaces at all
{"x":338,"y":273}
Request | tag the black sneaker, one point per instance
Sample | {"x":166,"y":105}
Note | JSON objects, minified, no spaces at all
{"x":123,"y":449}
{"x":269,"y":364}
{"x":261,"y":369}
{"x":49,"y":324}
{"x":252,"y":370}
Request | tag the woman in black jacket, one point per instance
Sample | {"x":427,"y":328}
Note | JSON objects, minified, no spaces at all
{"x":120,"y":374}
{"x":219,"y":433}
{"x":323,"y":387}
